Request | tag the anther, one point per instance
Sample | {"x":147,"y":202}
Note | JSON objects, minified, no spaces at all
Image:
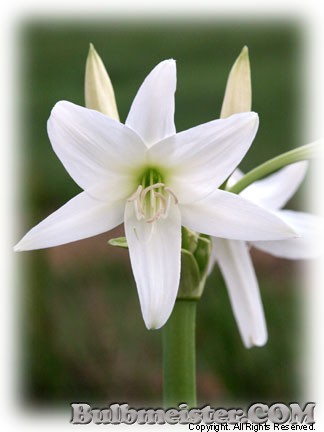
{"x":153,"y":207}
{"x":172,"y":193}
{"x":136,"y":194}
{"x":149,"y":188}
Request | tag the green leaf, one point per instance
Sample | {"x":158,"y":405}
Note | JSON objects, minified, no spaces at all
{"x":119,"y":242}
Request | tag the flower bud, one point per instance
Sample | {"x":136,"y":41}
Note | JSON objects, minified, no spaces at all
{"x":238,"y":93}
{"x":99,"y":92}
{"x":195,"y":257}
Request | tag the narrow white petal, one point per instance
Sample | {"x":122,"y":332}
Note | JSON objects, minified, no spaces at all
{"x":154,"y":250}
{"x":274,"y":191}
{"x":79,"y":218}
{"x":90,"y":145}
{"x":309,"y":244}
{"x":204,"y":156}
{"x":152,"y":112}
{"x":237,"y":269}
{"x":226,"y":215}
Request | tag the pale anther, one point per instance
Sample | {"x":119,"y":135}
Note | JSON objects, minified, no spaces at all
{"x":172,"y":193}
{"x":154,"y":206}
{"x":136,"y":194}
{"x":149,"y":188}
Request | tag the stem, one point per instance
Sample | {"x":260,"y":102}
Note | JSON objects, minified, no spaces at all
{"x":179,"y":355}
{"x":309,"y":151}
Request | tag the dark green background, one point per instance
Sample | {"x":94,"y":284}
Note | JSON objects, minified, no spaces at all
{"x":82,"y":332}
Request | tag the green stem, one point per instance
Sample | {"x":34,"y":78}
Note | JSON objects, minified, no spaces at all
{"x":309,"y":151}
{"x":179,"y":355}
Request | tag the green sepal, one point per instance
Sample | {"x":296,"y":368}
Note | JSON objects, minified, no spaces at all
{"x":202,"y":255}
{"x":194,"y":264}
{"x":190,"y":277}
{"x":189,"y":239}
{"x":119,"y":242}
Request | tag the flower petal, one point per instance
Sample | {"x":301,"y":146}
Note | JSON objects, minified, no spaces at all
{"x":226,"y":215}
{"x":274,"y":191}
{"x":204,"y":156}
{"x":152,"y":112}
{"x":154,"y":250}
{"x":114,"y":188}
{"x":309,"y":227}
{"x":237,"y":269}
{"x":90,"y":145}
{"x":79,"y":218}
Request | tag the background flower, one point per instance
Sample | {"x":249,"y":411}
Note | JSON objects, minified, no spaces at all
{"x":233,"y":257}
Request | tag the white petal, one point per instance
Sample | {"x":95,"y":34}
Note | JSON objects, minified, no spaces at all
{"x":114,"y":188}
{"x":309,"y":245}
{"x":204,"y":156}
{"x":226,"y":215}
{"x":79,"y":218}
{"x":237,"y":269}
{"x":92,"y":146}
{"x":152,"y":112}
{"x":154,"y":250}
{"x":274,"y":191}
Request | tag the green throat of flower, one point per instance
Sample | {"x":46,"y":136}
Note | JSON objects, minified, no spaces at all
{"x":152,"y":199}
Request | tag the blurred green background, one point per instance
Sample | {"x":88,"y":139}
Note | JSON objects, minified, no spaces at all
{"x":82,"y":333}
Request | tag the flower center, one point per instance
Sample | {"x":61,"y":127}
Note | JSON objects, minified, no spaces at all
{"x":152,"y":199}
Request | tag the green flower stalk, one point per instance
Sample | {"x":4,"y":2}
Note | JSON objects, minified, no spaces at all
{"x":313,"y":150}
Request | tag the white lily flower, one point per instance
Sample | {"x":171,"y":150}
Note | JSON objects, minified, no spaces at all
{"x":233,"y":256}
{"x":154,"y":180}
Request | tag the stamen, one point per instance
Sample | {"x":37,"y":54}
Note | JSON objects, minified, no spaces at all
{"x":157,"y":205}
{"x":139,"y":210}
{"x":172,"y":193}
{"x":162,"y":200}
{"x":155,"y":217}
{"x":149,"y":188}
{"x":167,"y":208}
{"x":136,"y":194}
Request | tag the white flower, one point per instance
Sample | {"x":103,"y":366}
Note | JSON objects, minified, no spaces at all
{"x":154,"y":180}
{"x":233,"y":256}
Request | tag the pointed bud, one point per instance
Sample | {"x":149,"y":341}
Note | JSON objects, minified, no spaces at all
{"x":195,"y":257}
{"x":238,"y":93}
{"x":99,"y":92}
